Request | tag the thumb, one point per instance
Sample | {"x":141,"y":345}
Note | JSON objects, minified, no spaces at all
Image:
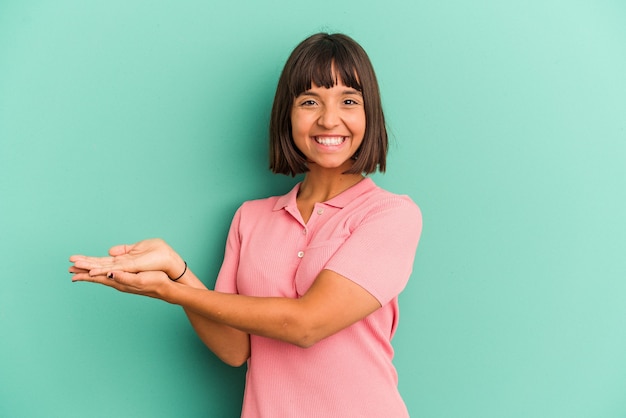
{"x":120,"y":250}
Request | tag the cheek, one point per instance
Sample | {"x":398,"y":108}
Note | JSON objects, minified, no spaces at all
{"x":298,"y":135}
{"x":358,"y":126}
{"x":294,"y":122}
{"x":299,"y":127}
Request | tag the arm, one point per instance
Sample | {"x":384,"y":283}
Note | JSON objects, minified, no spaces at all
{"x":223,"y":321}
{"x":230,"y":345}
{"x":332,"y":303}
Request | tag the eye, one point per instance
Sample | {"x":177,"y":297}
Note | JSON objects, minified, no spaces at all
{"x":350,"y":102}
{"x":306,"y":102}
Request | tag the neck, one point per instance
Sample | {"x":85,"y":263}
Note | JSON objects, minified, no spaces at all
{"x":320,"y":185}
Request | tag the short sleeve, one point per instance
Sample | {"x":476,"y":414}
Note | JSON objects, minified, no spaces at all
{"x":227,"y":278}
{"x":379,"y":253}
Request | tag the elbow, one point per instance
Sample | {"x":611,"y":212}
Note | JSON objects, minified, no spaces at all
{"x":303,"y":328}
{"x":306,"y":334}
{"x":307,"y":337}
{"x":234,"y":360}
{"x":232,"y":354}
{"x":304,"y":342}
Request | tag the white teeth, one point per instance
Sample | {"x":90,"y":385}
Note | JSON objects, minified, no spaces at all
{"x":329,"y":141}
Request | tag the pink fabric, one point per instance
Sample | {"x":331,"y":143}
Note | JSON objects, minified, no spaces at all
{"x":365,"y":234}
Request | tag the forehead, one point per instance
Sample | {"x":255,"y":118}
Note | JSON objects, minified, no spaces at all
{"x":339,"y":88}
{"x":325,"y":74}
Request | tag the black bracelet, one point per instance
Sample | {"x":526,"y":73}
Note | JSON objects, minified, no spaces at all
{"x":184,"y":271}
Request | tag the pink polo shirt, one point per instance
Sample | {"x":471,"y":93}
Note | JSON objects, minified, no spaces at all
{"x":366,"y":234}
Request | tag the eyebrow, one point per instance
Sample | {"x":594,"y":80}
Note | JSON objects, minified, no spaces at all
{"x":346,"y":91}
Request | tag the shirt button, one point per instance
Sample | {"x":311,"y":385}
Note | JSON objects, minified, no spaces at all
{"x":304,"y":231}
{"x":320,"y":211}
{"x":300,"y":254}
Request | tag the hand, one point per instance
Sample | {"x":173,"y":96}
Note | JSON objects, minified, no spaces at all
{"x":147,"y":255}
{"x":149,"y":283}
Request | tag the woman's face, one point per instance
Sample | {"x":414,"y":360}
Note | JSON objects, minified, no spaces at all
{"x":328,"y":125}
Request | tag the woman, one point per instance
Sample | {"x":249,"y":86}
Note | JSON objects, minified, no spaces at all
{"x":307,"y":292}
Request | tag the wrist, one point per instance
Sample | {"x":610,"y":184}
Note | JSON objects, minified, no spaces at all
{"x":177,"y":267}
{"x":164,"y":291}
{"x":174,"y":279}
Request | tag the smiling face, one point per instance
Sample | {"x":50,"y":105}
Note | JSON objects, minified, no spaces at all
{"x":326,"y":77}
{"x":328,"y":125}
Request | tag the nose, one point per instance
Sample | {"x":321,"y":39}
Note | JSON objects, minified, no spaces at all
{"x":329,"y":117}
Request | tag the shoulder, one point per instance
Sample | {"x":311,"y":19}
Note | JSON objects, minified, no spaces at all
{"x":380,"y":200}
{"x":270,"y":204}
{"x":379,"y":211}
{"x":386,"y":197}
{"x":259,"y":204}
{"x":257,"y":209}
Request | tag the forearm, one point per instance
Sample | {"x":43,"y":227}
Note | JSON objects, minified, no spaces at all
{"x":228,"y":344}
{"x":331,"y":304}
{"x":224,"y":321}
{"x":277,"y":318}
{"x":232,"y":346}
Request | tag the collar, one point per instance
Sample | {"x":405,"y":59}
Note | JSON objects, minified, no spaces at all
{"x":340,"y":201}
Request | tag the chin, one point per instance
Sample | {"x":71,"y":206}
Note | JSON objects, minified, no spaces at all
{"x":343,"y":165}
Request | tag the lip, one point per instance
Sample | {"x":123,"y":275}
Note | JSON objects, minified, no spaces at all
{"x":330,"y":141}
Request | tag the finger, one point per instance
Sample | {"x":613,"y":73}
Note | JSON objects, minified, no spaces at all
{"x":89,"y":263}
{"x":120,"y":250}
{"x":103,"y":271}
{"x":102,"y":265}
{"x":125,"y":282}
{"x":74,"y":269}
{"x":79,"y":277}
{"x":116,"y":265}
{"x":122,"y":277}
{"x":85,"y":277}
{"x":104,"y":280}
{"x":77,"y":257}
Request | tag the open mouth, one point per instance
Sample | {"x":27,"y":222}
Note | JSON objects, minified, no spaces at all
{"x":330,"y":140}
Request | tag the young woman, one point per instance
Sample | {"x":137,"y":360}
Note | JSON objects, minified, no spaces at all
{"x":307,"y":292}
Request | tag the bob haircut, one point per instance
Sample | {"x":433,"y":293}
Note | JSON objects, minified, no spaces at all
{"x":324,"y":59}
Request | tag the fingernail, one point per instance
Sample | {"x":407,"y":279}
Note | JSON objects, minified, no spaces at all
{"x":110,"y":275}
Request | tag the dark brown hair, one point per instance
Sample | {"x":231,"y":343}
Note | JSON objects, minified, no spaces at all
{"x":320,"y":59}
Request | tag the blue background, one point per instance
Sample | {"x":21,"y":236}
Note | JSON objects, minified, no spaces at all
{"x":121,"y":120}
